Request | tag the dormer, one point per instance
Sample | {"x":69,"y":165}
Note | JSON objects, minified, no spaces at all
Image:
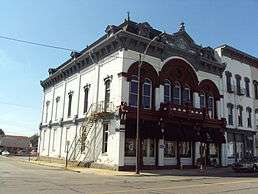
{"x":144,"y":29}
{"x":111,"y":29}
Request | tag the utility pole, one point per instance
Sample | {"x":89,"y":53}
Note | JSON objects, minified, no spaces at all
{"x":138,"y":142}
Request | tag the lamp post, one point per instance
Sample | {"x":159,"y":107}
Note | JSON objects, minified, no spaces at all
{"x":138,"y":152}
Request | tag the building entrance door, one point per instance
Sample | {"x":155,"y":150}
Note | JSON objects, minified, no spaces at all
{"x":149,"y":151}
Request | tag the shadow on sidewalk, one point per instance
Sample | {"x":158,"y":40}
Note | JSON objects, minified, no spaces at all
{"x":211,"y":172}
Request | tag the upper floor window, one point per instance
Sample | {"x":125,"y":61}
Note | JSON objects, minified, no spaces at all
{"x":105,"y":138}
{"x":186,"y":95}
{"x":230,"y":113}
{"x":177,"y":93}
{"x":256,"y":118}
{"x":228,"y":80}
{"x":247,"y":88}
{"x":86,"y":98}
{"x":238,"y":84}
{"x":202,"y":100}
{"x":167,"y":91}
{"x":255,"y":89}
{"x":133,"y":91}
{"x":249,"y":117}
{"x":70,"y":99}
{"x":107,"y":93}
{"x":211,"y":106}
{"x":57,"y":105}
{"x":47,"y":109}
{"x":240,"y":115}
{"x":146,"y":93}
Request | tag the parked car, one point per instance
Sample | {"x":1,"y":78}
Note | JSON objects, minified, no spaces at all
{"x":22,"y":153}
{"x":246,"y":164}
{"x":5,"y":153}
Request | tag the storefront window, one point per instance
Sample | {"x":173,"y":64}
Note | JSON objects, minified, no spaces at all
{"x":148,"y":148}
{"x":230,"y":145}
{"x":239,"y":146}
{"x":151,"y":153}
{"x":145,"y":147}
{"x":185,"y":151}
{"x":170,"y":149}
{"x":130,"y":147}
{"x":214,"y":150}
{"x":249,"y":146}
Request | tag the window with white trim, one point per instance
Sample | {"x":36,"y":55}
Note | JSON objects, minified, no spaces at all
{"x":211,"y":106}
{"x":70,"y":99}
{"x":249,"y":117}
{"x":133,"y":92}
{"x":202,"y":100}
{"x":240,"y":115}
{"x":177,"y":93}
{"x":230,"y":113}
{"x":186,"y":95}
{"x":146,"y":93}
{"x":86,"y":99}
{"x":107,"y":93}
{"x":105,"y":138}
{"x":167,"y":91}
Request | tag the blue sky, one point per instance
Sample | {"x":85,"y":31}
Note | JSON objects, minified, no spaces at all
{"x":75,"y":24}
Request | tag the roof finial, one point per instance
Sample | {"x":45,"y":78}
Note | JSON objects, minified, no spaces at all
{"x":128,"y":16}
{"x":182,"y":26}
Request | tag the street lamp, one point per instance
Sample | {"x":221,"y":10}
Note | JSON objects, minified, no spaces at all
{"x":138,"y":158}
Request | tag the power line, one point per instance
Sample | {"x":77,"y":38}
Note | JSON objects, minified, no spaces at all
{"x":16,"y":105}
{"x":36,"y":43}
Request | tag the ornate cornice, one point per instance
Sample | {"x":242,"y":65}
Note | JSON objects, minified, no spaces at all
{"x":126,"y":37}
{"x":238,"y":55}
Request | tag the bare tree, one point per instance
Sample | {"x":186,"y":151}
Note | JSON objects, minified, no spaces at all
{"x":2,"y":133}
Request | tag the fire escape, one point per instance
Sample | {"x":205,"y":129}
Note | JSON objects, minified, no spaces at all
{"x":80,"y":145}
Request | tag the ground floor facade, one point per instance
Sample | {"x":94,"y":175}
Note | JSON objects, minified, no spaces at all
{"x":112,"y":144}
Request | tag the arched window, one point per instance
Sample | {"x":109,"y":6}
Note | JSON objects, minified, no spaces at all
{"x":177,"y":93}
{"x":186,"y":95}
{"x":167,"y":91}
{"x":133,"y":91}
{"x":146,"y":93}
{"x":202,"y":100}
{"x":211,"y":106}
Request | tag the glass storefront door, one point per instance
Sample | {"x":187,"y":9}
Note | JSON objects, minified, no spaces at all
{"x":149,"y":151}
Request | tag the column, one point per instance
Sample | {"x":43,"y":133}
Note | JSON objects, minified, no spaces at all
{"x":121,"y":144}
{"x":193,"y":153}
{"x":49,"y":140}
{"x":196,"y":100}
{"x":161,"y":152}
{"x":159,"y":96}
{"x":218,"y":106}
{"x":125,"y":90}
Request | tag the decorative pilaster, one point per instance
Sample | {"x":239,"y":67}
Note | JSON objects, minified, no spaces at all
{"x":196,"y":100}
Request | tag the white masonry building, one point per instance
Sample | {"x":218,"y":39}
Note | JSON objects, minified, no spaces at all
{"x":90,"y":101}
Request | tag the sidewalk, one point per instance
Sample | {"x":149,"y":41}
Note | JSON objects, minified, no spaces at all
{"x":172,"y":173}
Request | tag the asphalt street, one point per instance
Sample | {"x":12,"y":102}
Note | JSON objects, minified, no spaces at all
{"x":22,"y":178}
